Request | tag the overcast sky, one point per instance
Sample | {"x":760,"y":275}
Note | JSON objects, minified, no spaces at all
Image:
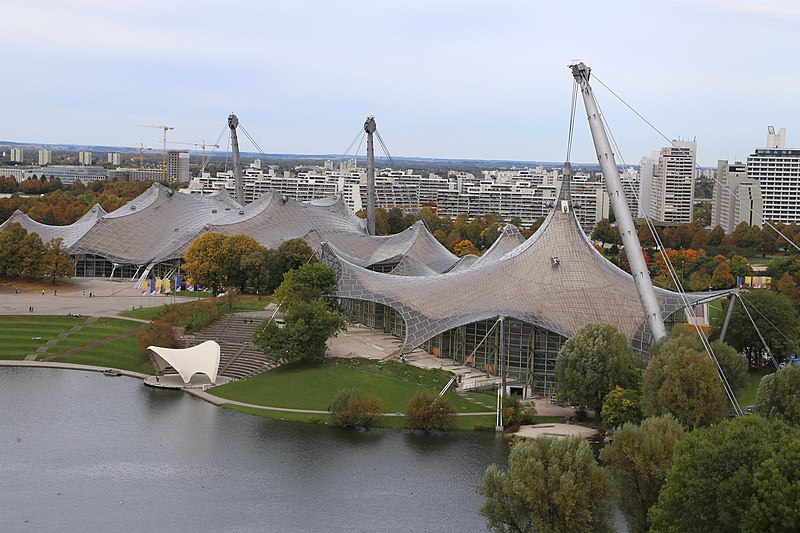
{"x":452,"y":79}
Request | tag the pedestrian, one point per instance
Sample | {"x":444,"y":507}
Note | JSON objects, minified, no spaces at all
{"x":16,"y":290}
{"x":42,"y":292}
{"x":30,"y":309}
{"x":84,"y":292}
{"x":55,"y":292}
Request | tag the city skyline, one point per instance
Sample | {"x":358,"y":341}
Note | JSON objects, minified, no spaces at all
{"x":448,"y":79}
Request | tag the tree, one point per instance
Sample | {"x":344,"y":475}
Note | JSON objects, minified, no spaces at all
{"x":306,"y":283}
{"x":551,"y":485}
{"x":681,"y":380}
{"x":716,"y":236}
{"x":606,"y":233}
{"x":778,"y":395}
{"x":56,"y":262}
{"x":203,"y":261}
{"x":722,"y":277}
{"x":350,"y":408}
{"x":303,"y":337}
{"x":699,"y":281}
{"x":712,"y":485}
{"x":776,"y":484}
{"x":593,"y":362}
{"x":234,"y":249}
{"x":776,"y":319}
{"x":621,"y":406}
{"x":294,"y":253}
{"x":256,"y":266}
{"x":428,"y":411}
{"x":464,"y":247}
{"x":639,"y":459}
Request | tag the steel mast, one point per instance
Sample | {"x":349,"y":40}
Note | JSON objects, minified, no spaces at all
{"x":233,"y":123}
{"x":630,"y":239}
{"x":370,"y":127}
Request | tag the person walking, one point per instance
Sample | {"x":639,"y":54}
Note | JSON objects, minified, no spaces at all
{"x":42,"y":292}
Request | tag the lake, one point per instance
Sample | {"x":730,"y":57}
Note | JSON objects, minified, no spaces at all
{"x":82,"y":451}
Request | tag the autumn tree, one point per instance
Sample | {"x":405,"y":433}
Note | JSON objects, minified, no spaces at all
{"x":606,"y":233}
{"x":594,"y":361}
{"x":550,"y":485}
{"x":464,"y":247}
{"x":56,"y":263}
{"x":621,"y":406}
{"x":428,"y":411}
{"x":204,"y":261}
{"x":639,"y":459}
{"x":722,"y":277}
{"x":235,"y":270}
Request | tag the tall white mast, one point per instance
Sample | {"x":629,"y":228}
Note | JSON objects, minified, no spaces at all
{"x":627,"y":229}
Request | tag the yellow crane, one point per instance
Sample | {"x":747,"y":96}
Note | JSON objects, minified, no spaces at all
{"x":141,"y":155}
{"x":165,"y":128}
{"x":202,"y":144}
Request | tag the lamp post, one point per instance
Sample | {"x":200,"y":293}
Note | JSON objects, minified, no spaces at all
{"x":682,"y":262}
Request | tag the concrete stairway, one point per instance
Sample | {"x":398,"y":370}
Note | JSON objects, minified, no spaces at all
{"x":239,"y":357}
{"x":469,"y":378}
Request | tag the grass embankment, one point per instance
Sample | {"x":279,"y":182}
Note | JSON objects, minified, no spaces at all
{"x":22,"y":335}
{"x":302,"y":386}
{"x":224,"y":306}
{"x":109,"y":342}
{"x":748,"y":395}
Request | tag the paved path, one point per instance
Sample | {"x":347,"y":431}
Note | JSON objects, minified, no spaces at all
{"x":72,"y":366}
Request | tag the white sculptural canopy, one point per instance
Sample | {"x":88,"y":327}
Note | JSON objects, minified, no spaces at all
{"x":200,"y":359}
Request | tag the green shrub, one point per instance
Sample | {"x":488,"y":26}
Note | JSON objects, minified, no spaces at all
{"x":158,"y":333}
{"x":428,"y":411}
{"x":351,"y":409}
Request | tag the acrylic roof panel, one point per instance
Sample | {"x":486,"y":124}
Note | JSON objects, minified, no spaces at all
{"x":69,"y":234}
{"x":556,"y":280}
{"x":274,"y":219}
{"x":156,"y":226}
{"x":415,"y":242}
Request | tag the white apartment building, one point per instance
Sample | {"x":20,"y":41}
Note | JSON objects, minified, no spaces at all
{"x":178,"y":166}
{"x":85,"y":158}
{"x":114,"y":158}
{"x":16,"y":155}
{"x":671,"y":184}
{"x":45,"y":157}
{"x":777,"y":170}
{"x":736,"y":197}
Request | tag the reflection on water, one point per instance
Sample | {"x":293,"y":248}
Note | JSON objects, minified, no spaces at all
{"x":82,"y":451}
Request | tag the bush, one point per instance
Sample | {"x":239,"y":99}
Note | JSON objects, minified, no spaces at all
{"x":427,"y":411}
{"x":351,"y":409}
{"x":158,"y":333}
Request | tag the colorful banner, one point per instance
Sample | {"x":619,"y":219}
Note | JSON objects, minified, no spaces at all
{"x":178,"y":282}
{"x":152,"y":285}
{"x":166,"y":285}
{"x":158,"y":285}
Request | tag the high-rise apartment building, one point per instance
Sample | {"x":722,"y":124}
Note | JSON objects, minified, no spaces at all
{"x":777,"y":170}
{"x":16,"y":155}
{"x":114,"y":158}
{"x":646,"y":170}
{"x":45,"y":157}
{"x":672,"y":183}
{"x":85,"y":158}
{"x":736,"y":197}
{"x":178,"y":166}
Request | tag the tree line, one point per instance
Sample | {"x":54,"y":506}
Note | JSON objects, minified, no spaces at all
{"x":675,"y":463}
{"x":23,"y":255}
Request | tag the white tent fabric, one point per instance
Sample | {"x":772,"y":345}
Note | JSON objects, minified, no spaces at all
{"x":200,"y":359}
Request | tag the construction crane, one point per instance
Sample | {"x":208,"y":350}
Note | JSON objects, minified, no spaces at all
{"x":165,"y":128}
{"x":203,"y":145}
{"x":141,"y":155}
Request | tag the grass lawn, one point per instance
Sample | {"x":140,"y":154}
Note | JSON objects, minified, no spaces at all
{"x":303,"y":386}
{"x":21,"y":335}
{"x":122,"y":353}
{"x":101,"y":329}
{"x":748,"y":395}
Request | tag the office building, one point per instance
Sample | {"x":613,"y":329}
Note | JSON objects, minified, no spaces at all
{"x":736,"y":197}
{"x":178,"y":166}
